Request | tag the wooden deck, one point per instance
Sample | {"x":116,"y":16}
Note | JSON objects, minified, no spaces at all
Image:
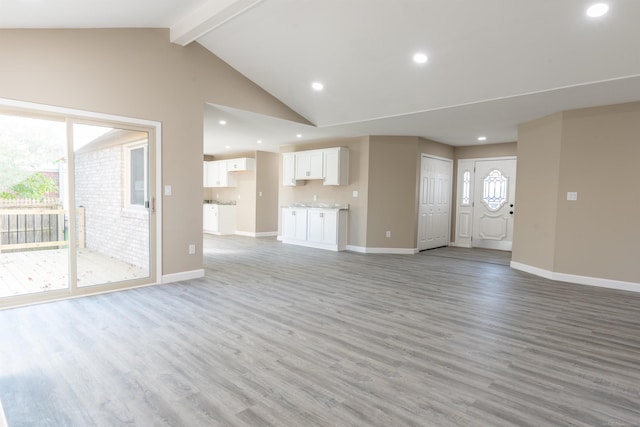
{"x":37,"y":271}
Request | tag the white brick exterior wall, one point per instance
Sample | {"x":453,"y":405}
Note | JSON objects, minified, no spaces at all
{"x":110,"y":229}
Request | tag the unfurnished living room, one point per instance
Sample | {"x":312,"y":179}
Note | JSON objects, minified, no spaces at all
{"x":319,"y":213}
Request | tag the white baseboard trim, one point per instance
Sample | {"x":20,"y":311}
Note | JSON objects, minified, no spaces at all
{"x":579,"y":280}
{"x":183,"y":275}
{"x":390,"y":251}
{"x":461,"y":245}
{"x":314,"y":245}
{"x":533,"y":270}
{"x":260,"y":234}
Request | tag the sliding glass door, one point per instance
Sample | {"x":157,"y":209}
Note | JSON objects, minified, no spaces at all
{"x":34,"y":245}
{"x":112,"y":202}
{"x":77,"y":206}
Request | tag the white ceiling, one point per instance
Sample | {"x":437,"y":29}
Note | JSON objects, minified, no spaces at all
{"x":492,"y":64}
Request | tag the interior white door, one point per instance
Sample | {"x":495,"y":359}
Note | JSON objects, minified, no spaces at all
{"x":494,"y":204}
{"x":434,"y":216}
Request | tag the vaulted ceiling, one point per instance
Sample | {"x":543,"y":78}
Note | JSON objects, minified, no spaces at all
{"x":491,"y":64}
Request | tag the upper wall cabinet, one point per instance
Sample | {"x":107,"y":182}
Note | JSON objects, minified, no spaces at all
{"x":336,"y":166}
{"x":310,"y":164}
{"x":329,"y":164}
{"x":289,"y":169}
{"x":242,"y":164}
{"x":216,"y":174}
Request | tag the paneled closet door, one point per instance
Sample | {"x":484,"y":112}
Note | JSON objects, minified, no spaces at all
{"x":435,"y":203}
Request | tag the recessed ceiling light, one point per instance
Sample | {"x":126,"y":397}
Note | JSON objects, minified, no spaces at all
{"x":482,"y":138}
{"x":227,"y":146}
{"x":259,"y":141}
{"x":223,"y":122}
{"x":597,"y":10}
{"x":317,"y":86}
{"x":299,"y":135}
{"x":420,"y":58}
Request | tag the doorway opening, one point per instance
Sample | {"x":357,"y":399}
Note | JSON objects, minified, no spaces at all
{"x":486,"y":203}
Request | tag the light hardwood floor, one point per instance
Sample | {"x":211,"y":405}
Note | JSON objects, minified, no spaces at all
{"x":290,"y":336}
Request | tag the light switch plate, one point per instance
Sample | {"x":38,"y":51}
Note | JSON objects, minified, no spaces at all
{"x":355,"y":193}
{"x":572,"y":196}
{"x":167,"y":190}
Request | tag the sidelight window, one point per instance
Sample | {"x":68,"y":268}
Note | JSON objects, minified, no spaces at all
{"x":466,"y":188}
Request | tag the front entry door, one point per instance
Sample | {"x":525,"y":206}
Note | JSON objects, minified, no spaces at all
{"x":494,"y":204}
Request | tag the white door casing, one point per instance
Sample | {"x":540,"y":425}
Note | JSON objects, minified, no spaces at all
{"x":434,"y":212}
{"x":478,"y":224}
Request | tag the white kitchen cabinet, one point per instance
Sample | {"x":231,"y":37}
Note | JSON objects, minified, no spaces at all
{"x":289,"y":169}
{"x":241,"y":164}
{"x":323,"y":228}
{"x":205,"y":174}
{"x":294,"y":223}
{"x":216,"y":174}
{"x":218,"y":219}
{"x":336,"y":166}
{"x":209,"y":218}
{"x":329,"y":164}
{"x":309,"y":164}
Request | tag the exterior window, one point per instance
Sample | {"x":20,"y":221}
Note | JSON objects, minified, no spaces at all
{"x":494,"y":193}
{"x":466,"y":188}
{"x":136,"y":173}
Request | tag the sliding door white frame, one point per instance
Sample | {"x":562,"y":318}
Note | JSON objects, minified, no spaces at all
{"x":75,"y":116}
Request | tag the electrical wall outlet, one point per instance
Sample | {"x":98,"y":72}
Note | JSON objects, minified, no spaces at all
{"x":192,"y":249}
{"x":387,"y":234}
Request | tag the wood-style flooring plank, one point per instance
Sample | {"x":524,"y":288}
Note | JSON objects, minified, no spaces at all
{"x":280,"y":335}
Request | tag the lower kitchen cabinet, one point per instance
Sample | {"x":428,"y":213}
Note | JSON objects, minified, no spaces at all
{"x":315,"y":227}
{"x":218,"y":219}
{"x":294,"y":223}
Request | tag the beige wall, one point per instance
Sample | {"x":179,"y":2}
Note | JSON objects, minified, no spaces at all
{"x":394,"y":179}
{"x":538,"y":172}
{"x":358,"y":181}
{"x":593,"y":152}
{"x":436,"y":149}
{"x":267,"y":169}
{"x":138,"y":73}
{"x":393,"y":165}
{"x":486,"y":150}
{"x":598,"y":235}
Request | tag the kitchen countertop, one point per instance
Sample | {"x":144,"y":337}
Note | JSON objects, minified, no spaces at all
{"x":219,"y":202}
{"x":316,"y":205}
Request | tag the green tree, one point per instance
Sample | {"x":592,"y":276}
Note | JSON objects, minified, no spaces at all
{"x":28,"y":145}
{"x":35,"y":186}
